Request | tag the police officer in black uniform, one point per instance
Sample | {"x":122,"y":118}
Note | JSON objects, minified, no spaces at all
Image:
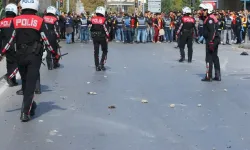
{"x":100,"y":35}
{"x":5,"y":35}
{"x":51,"y":22}
{"x":212,"y":42}
{"x":28,"y":31}
{"x":186,"y":31}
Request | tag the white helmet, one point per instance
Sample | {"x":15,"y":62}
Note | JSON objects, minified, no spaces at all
{"x":12,"y":8}
{"x":30,"y":4}
{"x":186,"y":10}
{"x":51,"y":10}
{"x":100,"y":10}
{"x":202,"y":6}
{"x":209,"y":8}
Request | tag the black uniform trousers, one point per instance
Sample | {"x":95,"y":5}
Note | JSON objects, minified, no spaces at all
{"x":186,"y":37}
{"x":238,"y":29}
{"x":11,"y":64}
{"x":97,"y":42}
{"x":212,"y":59}
{"x":50,"y":58}
{"x":73,"y":35}
{"x":29,"y":66}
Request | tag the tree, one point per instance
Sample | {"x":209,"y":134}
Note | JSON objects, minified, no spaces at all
{"x":166,"y":5}
{"x":177,"y":4}
{"x":90,"y":5}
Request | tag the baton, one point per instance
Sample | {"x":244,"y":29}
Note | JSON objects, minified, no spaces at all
{"x":61,"y":55}
{"x":13,"y":73}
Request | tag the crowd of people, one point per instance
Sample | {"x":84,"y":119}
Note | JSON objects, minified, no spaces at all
{"x":153,"y":27}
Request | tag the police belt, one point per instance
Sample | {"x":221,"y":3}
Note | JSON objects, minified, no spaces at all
{"x":96,"y":34}
{"x":34,"y":48}
{"x":185,"y":30}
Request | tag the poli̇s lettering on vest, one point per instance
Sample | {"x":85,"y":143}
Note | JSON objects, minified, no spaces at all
{"x":27,"y":22}
{"x":5,"y":23}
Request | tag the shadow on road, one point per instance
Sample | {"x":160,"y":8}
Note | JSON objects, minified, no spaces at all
{"x":202,"y":75}
{"x":45,"y":107}
{"x":45,"y":88}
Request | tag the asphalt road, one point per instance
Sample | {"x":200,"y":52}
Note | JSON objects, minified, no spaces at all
{"x":205,"y":116}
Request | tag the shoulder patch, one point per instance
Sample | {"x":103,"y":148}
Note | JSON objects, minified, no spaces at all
{"x":210,"y":21}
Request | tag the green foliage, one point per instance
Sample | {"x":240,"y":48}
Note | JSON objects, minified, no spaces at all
{"x":1,"y":4}
{"x":90,"y":5}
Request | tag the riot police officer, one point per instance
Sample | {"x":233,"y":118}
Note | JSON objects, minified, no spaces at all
{"x":186,"y":29}
{"x":28,"y":31}
{"x":52,"y":25}
{"x":100,"y":35}
{"x":212,"y":42}
{"x":5,"y":35}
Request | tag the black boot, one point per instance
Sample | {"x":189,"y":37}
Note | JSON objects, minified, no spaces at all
{"x":33,"y":109}
{"x":190,"y":59}
{"x":103,"y":68}
{"x":98,"y":68}
{"x":182,"y":59}
{"x":24,"y":117}
{"x":207,"y":79}
{"x":19,"y":92}
{"x":217,"y":76}
{"x":56,"y":65}
{"x":49,"y":67}
{"x":102,"y":62}
{"x":10,"y":81}
{"x":14,"y":81}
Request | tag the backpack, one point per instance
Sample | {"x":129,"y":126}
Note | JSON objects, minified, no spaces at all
{"x":127,"y":22}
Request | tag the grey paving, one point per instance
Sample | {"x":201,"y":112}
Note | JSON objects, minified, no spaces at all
{"x":3,"y":68}
{"x":69,"y":119}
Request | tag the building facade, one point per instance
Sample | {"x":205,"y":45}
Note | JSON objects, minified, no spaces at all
{"x":230,"y":4}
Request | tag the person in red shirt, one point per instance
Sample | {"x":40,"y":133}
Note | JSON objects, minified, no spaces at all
{"x":157,"y":26}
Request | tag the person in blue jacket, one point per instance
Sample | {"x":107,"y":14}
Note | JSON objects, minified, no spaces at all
{"x":69,"y":28}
